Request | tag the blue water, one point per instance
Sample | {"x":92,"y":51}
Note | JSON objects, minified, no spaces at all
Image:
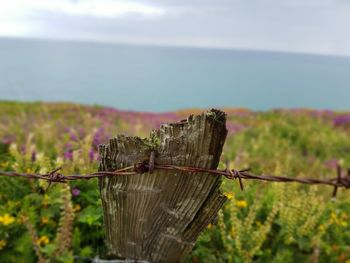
{"x":164,"y":79}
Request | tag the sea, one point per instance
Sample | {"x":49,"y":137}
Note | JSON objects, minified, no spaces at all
{"x":158,"y":79}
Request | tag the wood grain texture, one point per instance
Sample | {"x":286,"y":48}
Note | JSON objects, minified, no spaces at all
{"x":157,"y":217}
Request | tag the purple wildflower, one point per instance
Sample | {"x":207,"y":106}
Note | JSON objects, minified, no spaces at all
{"x":331,"y":163}
{"x":342,"y":120}
{"x":327,"y":113}
{"x":33,"y":156}
{"x":98,"y":138}
{"x":234,"y":127}
{"x":82,"y":133}
{"x":75,"y":191}
{"x":91,"y":155}
{"x":68,"y":155}
{"x":22,"y":149}
{"x":73,"y":137}
{"x":8,"y":139}
{"x":68,"y":146}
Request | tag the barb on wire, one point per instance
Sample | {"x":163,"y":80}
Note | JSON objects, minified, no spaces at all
{"x":150,"y":166}
{"x":55,"y":176}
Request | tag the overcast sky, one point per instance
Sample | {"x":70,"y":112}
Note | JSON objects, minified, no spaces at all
{"x":310,"y":26}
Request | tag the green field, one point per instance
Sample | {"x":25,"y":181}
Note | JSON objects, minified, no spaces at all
{"x":267,"y":222}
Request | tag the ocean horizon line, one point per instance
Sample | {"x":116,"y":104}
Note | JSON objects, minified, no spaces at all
{"x":169,"y":46}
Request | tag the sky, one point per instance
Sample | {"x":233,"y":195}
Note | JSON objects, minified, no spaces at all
{"x":307,"y":26}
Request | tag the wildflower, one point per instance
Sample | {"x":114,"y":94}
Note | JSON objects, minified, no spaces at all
{"x":7,"y":219}
{"x":232,"y":232}
{"x":73,"y":137}
{"x":234,"y":128}
{"x":321,"y":228}
{"x":210,"y":226}
{"x":344,"y":216}
{"x":8,"y":139}
{"x":59,"y":161}
{"x":39,"y":157}
{"x":75,"y":192}
{"x":98,"y":138}
{"x":331,"y":163}
{"x":2,"y":244}
{"x":68,"y":155}
{"x":341,"y":120}
{"x":13,"y":148}
{"x":46,"y":200}
{"x":91,"y":155}
{"x":22,"y":149}
{"x":344,"y":223}
{"x":241,"y":204}
{"x":68,"y":146}
{"x":4,"y":164}
{"x":44,"y":220}
{"x":229,"y":195}
{"x":43,"y":240}
{"x":81,"y":132}
{"x":33,"y":156}
{"x":77,"y":208}
{"x":333,"y":218}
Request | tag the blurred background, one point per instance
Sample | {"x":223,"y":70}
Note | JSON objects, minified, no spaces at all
{"x":279,"y":69}
{"x":152,"y":55}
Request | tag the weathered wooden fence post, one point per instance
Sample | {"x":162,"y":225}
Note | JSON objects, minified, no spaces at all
{"x":157,"y":217}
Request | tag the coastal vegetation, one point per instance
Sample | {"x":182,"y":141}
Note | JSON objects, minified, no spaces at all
{"x":267,"y":222}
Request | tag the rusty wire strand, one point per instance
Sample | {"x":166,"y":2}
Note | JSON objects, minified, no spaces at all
{"x":55,"y":176}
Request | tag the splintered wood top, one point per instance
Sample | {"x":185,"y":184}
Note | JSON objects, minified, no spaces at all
{"x":157,"y":217}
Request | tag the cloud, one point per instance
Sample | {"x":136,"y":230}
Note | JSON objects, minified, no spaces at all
{"x":311,"y":26}
{"x":28,"y":18}
{"x":100,"y":8}
{"x":14,"y":28}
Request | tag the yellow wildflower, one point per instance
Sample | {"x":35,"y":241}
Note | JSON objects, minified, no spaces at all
{"x":46,"y":200}
{"x":344,"y":223}
{"x":43,"y":240}
{"x":232,"y":232}
{"x":333,"y":215}
{"x":44,"y":220}
{"x":241,"y":204}
{"x":2,"y":244}
{"x":321,"y":228}
{"x":7,"y":219}
{"x":210,"y":226}
{"x":39,"y":157}
{"x":77,"y":208}
{"x":4,"y":164}
{"x":333,"y":218}
{"x":59,"y":161}
{"x":229,"y":195}
{"x":344,"y":216}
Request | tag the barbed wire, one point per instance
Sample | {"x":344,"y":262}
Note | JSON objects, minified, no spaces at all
{"x":140,"y":168}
